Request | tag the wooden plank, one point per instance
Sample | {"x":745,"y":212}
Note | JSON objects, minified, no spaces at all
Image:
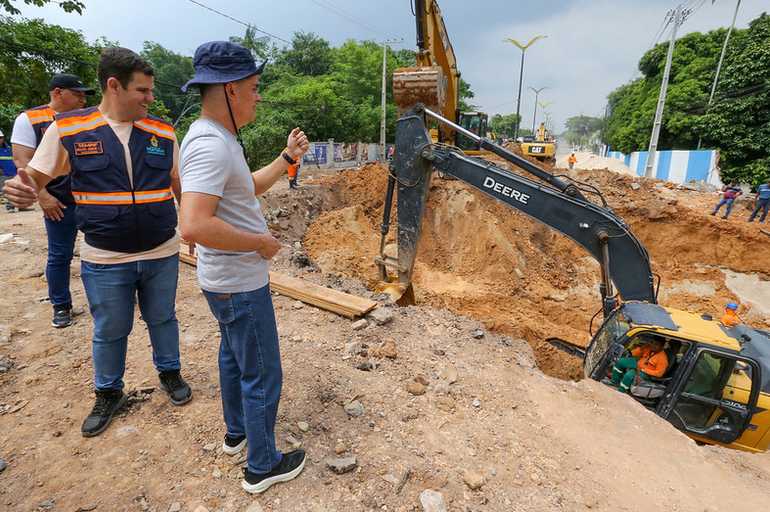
{"x":342,"y":303}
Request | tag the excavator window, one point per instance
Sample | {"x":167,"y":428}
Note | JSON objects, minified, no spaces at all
{"x":715,"y":399}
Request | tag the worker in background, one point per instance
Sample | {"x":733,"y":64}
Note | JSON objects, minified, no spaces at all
{"x":293,"y":173}
{"x":220,"y":212}
{"x":572,"y":160}
{"x":66,"y":92}
{"x":730,"y":193}
{"x":7,"y":167}
{"x":730,"y":317}
{"x":648,"y":359}
{"x":123,"y":167}
{"x":762,"y":202}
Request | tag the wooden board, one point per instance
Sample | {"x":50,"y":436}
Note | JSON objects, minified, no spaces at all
{"x":344,"y":304}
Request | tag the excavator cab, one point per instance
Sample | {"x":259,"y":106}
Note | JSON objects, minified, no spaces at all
{"x":714,"y":390}
{"x":475,"y":122}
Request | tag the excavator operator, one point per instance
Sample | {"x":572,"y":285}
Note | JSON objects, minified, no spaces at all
{"x":648,"y":359}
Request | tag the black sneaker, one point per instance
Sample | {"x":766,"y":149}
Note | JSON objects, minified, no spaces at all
{"x":62,"y":316}
{"x":233,"y":444}
{"x":174,"y":385}
{"x":290,"y":466}
{"x":107,"y":404}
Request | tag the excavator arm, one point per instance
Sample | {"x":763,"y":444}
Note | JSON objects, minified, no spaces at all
{"x":553,"y":201}
{"x":435,"y":81}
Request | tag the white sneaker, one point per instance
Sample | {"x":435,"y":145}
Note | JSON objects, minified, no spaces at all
{"x":233,"y":445}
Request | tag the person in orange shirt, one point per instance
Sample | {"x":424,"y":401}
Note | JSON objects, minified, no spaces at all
{"x":572,"y":160}
{"x":293,"y":174}
{"x":731,"y":318}
{"x":647,"y":360}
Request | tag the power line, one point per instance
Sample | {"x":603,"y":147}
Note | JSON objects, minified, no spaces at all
{"x":339,"y":12}
{"x":232,"y":18}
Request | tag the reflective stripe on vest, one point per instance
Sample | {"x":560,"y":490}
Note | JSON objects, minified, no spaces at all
{"x":71,"y":126}
{"x":123,"y":198}
{"x":156,"y":128}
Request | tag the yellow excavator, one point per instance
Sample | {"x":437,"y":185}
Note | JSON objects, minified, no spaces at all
{"x":716,"y":385}
{"x":435,"y":80}
{"x":542,"y":146}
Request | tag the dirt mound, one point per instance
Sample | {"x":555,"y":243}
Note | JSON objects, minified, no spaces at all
{"x":479,"y":258}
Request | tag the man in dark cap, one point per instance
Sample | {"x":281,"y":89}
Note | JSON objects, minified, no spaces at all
{"x":66,"y":92}
{"x":221,"y":214}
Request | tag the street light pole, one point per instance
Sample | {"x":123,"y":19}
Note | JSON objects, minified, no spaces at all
{"x":534,"y":116}
{"x":523,"y":48}
{"x":383,"y":120}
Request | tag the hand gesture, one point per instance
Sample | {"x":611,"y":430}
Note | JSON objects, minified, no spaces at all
{"x":52,"y":208}
{"x":21,"y":190}
{"x":297,"y":144}
{"x":268,"y":246}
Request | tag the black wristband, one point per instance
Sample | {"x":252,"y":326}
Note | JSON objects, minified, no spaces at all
{"x":288,"y":158}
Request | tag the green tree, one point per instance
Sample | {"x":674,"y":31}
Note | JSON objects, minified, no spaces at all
{"x":582,"y":130}
{"x":309,"y":55}
{"x":504,"y":125}
{"x":737,"y":123}
{"x":68,"y":5}
{"x":31,"y":51}
{"x":171,"y":70}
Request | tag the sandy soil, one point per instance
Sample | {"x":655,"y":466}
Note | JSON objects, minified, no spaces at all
{"x":492,"y":432}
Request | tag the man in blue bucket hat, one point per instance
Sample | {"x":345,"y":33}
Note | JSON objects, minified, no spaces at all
{"x":221,"y":214}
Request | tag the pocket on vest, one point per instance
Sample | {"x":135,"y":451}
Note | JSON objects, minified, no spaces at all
{"x":162,"y":214}
{"x":92,"y":162}
{"x":158,"y":161}
{"x":97,"y":220}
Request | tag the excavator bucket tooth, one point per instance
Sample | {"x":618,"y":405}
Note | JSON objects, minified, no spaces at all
{"x":426,"y":85}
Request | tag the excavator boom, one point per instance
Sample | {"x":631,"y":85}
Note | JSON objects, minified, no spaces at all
{"x":557,"y":203}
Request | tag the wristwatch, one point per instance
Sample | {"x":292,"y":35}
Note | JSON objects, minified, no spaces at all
{"x":289,"y":159}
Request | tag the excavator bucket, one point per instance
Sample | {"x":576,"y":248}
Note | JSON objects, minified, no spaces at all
{"x":411,"y":175}
{"x":426,"y":85}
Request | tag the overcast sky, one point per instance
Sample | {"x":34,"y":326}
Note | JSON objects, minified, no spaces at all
{"x":593,"y":46}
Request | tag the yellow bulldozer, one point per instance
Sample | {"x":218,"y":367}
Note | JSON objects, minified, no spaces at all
{"x":542,"y":146}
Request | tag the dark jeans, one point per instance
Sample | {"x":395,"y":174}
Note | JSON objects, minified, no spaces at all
{"x":728,"y":202}
{"x":762,"y":204}
{"x":250,"y":374}
{"x":61,"y":245}
{"x":112,"y":291}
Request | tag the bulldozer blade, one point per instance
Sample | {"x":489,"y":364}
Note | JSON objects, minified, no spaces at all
{"x":426,"y":85}
{"x":566,"y":346}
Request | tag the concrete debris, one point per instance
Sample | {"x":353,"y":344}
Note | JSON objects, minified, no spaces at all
{"x":359,"y":324}
{"x":341,"y":465}
{"x":381,"y":315}
{"x":354,"y":408}
{"x":432,"y":501}
{"x":473,"y":479}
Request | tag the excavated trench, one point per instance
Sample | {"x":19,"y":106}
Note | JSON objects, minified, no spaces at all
{"x":479,"y":258}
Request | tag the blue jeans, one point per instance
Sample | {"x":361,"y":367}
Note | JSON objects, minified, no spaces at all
{"x":728,"y":202}
{"x":61,"y":245}
{"x":112,"y":291}
{"x":762,"y":204}
{"x":250,"y":372}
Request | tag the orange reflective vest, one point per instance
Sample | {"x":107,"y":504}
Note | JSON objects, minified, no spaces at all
{"x":651,"y":363}
{"x":114,"y":212}
{"x":41,"y":118}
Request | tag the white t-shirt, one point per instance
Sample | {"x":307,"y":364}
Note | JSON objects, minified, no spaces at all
{"x":212,"y":162}
{"x":53,"y":160}
{"x":23,"y":133}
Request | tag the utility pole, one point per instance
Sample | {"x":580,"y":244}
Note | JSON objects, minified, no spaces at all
{"x":383,"y":155}
{"x":721,"y":59}
{"x":534,"y":116}
{"x":649,"y":168}
{"x":523,"y":48}
{"x":383,"y":116}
